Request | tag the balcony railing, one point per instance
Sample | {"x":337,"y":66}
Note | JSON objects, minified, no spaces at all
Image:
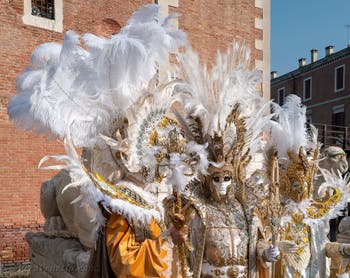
{"x":332,"y":135}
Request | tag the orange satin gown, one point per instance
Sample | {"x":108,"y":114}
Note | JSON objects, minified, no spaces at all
{"x":129,"y":258}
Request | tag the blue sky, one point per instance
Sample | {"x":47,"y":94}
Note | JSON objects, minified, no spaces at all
{"x":297,"y":26}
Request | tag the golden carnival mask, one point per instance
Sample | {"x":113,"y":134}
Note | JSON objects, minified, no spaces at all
{"x":297,"y":180}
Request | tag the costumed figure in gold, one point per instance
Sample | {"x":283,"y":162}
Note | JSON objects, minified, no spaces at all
{"x":303,"y":220}
{"x":227,"y":116}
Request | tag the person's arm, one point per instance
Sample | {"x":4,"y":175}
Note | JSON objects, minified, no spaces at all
{"x":131,"y":258}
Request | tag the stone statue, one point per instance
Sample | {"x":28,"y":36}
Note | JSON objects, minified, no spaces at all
{"x":334,"y":159}
{"x":62,"y":217}
{"x":342,"y":264}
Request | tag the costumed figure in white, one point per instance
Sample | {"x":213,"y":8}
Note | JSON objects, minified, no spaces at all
{"x":223,"y":110}
{"x":301,"y":221}
{"x":105,"y":96}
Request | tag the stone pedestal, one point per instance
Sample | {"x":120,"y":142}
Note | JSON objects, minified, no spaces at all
{"x":56,"y":257}
{"x":344,"y":237}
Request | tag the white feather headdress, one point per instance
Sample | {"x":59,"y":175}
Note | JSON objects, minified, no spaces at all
{"x":288,"y":130}
{"x":223,"y":101}
{"x":79,"y":89}
{"x":213,"y":93}
{"x":86,"y":89}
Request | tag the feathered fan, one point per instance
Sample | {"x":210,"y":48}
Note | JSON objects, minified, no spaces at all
{"x":86,"y":89}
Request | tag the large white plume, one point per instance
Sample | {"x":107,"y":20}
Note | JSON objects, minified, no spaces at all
{"x":288,"y":130}
{"x":86,"y":88}
{"x":211,"y":94}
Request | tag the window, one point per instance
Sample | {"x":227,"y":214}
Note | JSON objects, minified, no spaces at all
{"x":338,"y":123}
{"x":338,"y":115}
{"x":281,"y":96}
{"x":307,"y":89}
{"x":47,"y":14}
{"x":339,"y":78}
{"x":43,"y":8}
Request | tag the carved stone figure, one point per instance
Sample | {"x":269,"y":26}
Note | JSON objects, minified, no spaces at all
{"x":334,"y":159}
{"x":342,"y":263}
{"x":62,"y":217}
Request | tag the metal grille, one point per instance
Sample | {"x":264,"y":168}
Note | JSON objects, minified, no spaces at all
{"x":43,"y":8}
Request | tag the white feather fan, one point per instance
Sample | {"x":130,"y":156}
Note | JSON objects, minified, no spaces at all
{"x":87,"y":89}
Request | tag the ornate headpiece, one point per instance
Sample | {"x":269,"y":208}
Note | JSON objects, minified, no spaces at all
{"x":222,"y":109}
{"x":297,"y":149}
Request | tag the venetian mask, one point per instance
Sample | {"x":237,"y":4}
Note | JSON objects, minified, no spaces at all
{"x":220,"y":181}
{"x":298,"y":187}
{"x":297,"y":179}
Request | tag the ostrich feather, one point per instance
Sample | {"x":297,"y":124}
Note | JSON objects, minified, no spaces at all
{"x":213,"y":93}
{"x":288,"y":132}
{"x":87,"y":88}
{"x":46,"y":53}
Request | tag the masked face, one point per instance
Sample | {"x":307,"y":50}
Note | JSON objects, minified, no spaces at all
{"x":298,"y":183}
{"x":220,"y":181}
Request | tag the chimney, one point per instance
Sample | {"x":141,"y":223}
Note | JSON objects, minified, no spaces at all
{"x":313,"y":55}
{"x":302,"y":62}
{"x":329,"y":50}
{"x":273,"y":74}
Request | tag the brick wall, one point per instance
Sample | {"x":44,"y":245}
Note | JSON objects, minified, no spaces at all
{"x":213,"y":25}
{"x":210,"y":25}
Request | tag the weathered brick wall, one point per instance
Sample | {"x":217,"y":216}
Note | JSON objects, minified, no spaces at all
{"x":213,"y":25}
{"x":210,"y":25}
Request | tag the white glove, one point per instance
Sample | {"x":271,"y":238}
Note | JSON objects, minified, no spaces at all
{"x":271,"y":254}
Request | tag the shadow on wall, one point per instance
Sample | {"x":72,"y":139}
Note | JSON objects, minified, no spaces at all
{"x":107,"y":27}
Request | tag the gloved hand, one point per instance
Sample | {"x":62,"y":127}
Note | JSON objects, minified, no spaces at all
{"x":271,"y":254}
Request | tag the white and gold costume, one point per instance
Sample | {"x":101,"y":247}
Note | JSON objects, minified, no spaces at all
{"x":303,"y":231}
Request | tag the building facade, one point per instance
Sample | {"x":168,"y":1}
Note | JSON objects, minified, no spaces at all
{"x":210,"y":25}
{"x":324,"y":87}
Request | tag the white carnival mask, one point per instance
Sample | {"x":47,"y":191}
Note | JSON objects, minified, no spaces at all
{"x":221,"y":183}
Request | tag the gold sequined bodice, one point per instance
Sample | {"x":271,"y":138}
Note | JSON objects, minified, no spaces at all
{"x":227,"y":235}
{"x":298,"y":233}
